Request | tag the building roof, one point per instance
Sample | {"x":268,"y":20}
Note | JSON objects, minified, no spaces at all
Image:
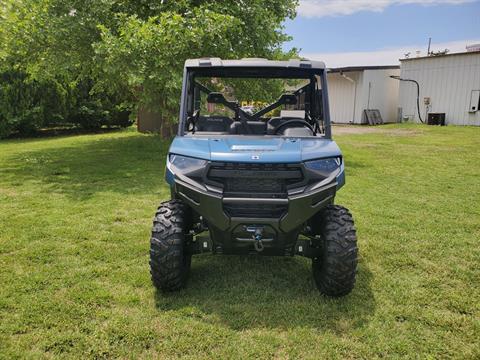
{"x":362,"y":68}
{"x":254,"y":62}
{"x":442,"y":55}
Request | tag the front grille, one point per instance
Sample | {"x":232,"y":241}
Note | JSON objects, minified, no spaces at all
{"x":253,"y":185}
{"x":255,"y":210}
{"x":255,"y":180}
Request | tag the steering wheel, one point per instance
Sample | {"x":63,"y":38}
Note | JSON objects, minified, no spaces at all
{"x":294,"y":121}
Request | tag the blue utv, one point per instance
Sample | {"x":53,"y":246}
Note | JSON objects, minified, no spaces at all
{"x":254,"y":170}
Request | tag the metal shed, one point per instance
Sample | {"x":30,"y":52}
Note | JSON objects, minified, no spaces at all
{"x":449,"y":84}
{"x":355,"y":89}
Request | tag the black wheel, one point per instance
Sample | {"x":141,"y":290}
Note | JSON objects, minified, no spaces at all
{"x":169,"y":264}
{"x":334,"y":271}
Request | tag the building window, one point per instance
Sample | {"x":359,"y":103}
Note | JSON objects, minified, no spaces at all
{"x":474,"y":101}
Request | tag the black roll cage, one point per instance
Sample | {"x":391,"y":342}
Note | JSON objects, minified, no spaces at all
{"x":317,"y":116}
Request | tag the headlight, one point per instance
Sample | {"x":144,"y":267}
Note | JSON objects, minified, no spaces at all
{"x":324,"y":165}
{"x":184,"y":164}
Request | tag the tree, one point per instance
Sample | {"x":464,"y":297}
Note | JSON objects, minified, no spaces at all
{"x":136,"y":49}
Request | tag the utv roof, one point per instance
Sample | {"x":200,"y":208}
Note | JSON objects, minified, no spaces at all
{"x":255,"y":68}
{"x":254,"y":63}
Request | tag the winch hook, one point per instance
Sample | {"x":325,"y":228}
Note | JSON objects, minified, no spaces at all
{"x":257,"y":237}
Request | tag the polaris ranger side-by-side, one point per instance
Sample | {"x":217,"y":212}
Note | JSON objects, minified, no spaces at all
{"x":254,"y":175}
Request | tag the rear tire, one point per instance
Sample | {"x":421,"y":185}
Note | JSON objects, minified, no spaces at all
{"x":169,"y":264}
{"x":335,"y":270}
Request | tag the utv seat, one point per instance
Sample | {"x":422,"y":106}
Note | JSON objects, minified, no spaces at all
{"x":256,"y":128}
{"x":213,"y":124}
{"x":274,"y":122}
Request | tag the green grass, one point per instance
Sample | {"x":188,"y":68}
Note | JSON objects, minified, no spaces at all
{"x":75,"y":215}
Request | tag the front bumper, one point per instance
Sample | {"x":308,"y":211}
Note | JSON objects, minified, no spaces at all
{"x":301,"y":207}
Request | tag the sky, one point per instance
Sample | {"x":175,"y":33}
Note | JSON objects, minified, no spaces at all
{"x":379,"y":32}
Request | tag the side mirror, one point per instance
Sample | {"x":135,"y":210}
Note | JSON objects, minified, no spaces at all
{"x":288,"y":99}
{"x":216,"y":98}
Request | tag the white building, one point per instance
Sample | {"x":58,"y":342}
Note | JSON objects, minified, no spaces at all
{"x":449,"y":84}
{"x":352,"y":90}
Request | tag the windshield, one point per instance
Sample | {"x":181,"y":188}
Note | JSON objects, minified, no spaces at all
{"x":254,"y":106}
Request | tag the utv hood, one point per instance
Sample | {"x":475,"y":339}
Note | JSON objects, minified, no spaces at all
{"x":254,"y":148}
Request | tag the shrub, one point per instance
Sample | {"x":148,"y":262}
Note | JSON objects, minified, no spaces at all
{"x":91,"y":110}
{"x":27,"y":105}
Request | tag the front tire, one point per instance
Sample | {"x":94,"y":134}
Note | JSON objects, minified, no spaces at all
{"x":335,"y":270}
{"x":169,"y":263}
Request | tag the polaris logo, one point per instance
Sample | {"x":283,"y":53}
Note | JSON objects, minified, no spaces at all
{"x":255,"y":157}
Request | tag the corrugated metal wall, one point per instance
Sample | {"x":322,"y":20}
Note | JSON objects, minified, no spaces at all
{"x":356,"y":91}
{"x":341,"y":92}
{"x":380,"y":92}
{"x":448,"y":81}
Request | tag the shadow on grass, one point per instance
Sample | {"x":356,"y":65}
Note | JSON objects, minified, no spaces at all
{"x":64,"y":131}
{"x":267,"y":292}
{"x":129,"y":165}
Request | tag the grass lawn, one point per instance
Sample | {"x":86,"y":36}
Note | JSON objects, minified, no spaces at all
{"x":75,"y":216}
